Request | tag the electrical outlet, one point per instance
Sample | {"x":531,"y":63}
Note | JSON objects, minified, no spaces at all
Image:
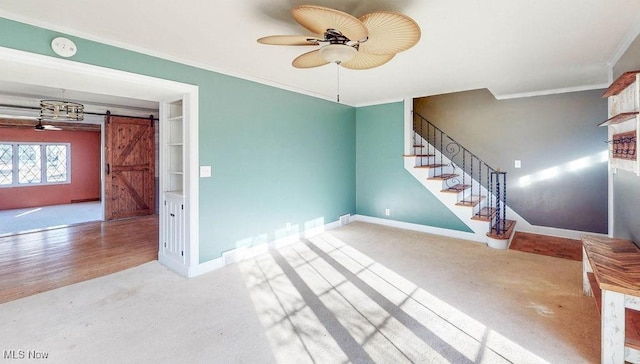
{"x":387,"y":212}
{"x":518,"y":163}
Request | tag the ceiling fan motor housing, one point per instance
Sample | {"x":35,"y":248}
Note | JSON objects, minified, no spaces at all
{"x":334,"y":36}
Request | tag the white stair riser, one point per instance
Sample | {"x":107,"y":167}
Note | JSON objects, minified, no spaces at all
{"x":465,"y":213}
{"x":479,"y":227}
{"x":466,"y":210}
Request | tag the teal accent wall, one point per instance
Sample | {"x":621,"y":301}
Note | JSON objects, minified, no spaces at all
{"x":278,"y":157}
{"x":381,"y":180}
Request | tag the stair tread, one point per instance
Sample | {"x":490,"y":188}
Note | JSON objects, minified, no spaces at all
{"x":485,"y":214}
{"x":443,"y":177}
{"x":510,"y":225}
{"x":430,"y":166}
{"x":470,"y":201}
{"x":456,"y":189}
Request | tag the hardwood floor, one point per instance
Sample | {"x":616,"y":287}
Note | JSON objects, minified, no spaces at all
{"x":40,"y":261}
{"x":547,"y":245}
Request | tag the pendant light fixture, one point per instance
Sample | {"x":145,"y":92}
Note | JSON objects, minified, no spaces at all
{"x":61,"y":110}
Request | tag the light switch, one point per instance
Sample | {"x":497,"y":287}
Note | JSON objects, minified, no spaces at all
{"x":205,"y":171}
{"x":518,"y":163}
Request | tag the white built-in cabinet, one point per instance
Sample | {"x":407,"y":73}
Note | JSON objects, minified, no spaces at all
{"x":624,"y":122}
{"x":173,"y":235}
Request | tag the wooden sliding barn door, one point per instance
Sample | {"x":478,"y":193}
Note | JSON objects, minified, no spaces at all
{"x":130,"y":162}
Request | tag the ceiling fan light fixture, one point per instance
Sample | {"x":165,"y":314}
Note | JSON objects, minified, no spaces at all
{"x":61,"y":110}
{"x":338,"y":53}
{"x":39,"y":126}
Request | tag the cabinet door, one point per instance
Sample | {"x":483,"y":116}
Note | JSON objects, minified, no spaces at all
{"x":173,"y":234}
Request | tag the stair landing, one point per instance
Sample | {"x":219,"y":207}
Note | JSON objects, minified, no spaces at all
{"x":547,"y":245}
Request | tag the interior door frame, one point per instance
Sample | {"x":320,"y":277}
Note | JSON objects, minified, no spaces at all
{"x":31,"y":68}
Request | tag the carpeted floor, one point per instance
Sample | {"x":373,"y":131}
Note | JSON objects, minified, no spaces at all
{"x":360,"y":293}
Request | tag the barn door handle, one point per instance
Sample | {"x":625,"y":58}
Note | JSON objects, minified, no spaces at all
{"x":108,"y":168}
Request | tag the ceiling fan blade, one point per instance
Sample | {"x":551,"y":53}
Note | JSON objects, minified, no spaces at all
{"x":363,"y":61}
{"x":389,"y":33}
{"x":290,"y":40}
{"x":309,"y":60}
{"x":318,"y":19}
{"x":41,"y":127}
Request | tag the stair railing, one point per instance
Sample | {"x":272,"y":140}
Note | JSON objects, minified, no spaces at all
{"x":500,"y":218}
{"x":476,"y":173}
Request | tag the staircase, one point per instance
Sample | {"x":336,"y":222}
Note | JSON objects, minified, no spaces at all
{"x":470,"y":188}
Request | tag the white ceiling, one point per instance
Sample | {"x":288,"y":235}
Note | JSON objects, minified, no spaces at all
{"x":23,"y":94}
{"x":511,"y":47}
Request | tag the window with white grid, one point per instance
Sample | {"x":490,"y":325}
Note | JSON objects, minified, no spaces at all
{"x":28,"y":164}
{"x":6,"y":164}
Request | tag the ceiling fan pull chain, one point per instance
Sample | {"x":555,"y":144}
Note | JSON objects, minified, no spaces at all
{"x":338,"y":84}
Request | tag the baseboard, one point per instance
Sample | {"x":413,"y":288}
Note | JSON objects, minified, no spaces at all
{"x":528,"y":228}
{"x":556,"y":232}
{"x":86,"y":200}
{"x":173,"y":265}
{"x":206,"y":267}
{"x":243,"y":253}
{"x":422,"y":228}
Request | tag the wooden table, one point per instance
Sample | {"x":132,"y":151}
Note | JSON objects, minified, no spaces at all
{"x":611,"y":273}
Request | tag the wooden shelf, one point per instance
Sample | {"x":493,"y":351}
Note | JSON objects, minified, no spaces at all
{"x":173,"y":168}
{"x":176,"y":193}
{"x":632,"y":317}
{"x":621,"y":83}
{"x":620,"y":118}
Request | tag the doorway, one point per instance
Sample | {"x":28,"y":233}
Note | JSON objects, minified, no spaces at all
{"x":35,"y":69}
{"x":51,"y":178}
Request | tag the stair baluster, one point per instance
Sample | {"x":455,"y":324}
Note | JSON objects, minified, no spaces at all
{"x":494,"y":209}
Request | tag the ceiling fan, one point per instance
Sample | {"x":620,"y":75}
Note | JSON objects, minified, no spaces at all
{"x":364,"y":43}
{"x":41,"y":127}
